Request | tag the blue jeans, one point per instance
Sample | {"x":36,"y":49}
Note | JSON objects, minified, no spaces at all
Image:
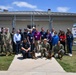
{"x":17,"y":47}
{"x":70,"y":48}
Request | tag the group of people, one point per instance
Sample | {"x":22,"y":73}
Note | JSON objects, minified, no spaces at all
{"x":31,"y":41}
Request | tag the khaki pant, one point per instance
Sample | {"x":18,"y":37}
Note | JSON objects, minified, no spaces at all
{"x":37,"y":45}
{"x":8,"y":48}
{"x":44,"y":53}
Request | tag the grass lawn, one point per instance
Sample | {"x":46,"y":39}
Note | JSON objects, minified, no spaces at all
{"x":5,"y":62}
{"x":69,"y":63}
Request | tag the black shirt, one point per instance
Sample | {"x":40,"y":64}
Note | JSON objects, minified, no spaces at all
{"x":31,"y":36}
{"x":25,"y":34}
{"x":25,"y":45}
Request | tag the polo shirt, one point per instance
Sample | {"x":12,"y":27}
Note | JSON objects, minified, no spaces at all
{"x":49,"y":37}
{"x":31,"y":36}
{"x":25,"y":45}
{"x":43,"y":35}
{"x":37,"y":36}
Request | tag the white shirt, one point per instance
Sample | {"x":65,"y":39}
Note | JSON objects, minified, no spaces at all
{"x":17,"y":37}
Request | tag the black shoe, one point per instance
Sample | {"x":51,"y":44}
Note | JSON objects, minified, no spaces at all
{"x":24,"y":57}
{"x":16,"y":53}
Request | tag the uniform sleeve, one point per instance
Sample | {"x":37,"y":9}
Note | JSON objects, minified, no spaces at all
{"x":62,"y":47}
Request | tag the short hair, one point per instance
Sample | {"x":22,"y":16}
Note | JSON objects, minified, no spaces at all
{"x":55,"y":32}
{"x":1,"y":27}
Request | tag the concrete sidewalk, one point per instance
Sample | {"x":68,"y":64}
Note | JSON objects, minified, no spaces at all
{"x":34,"y":67}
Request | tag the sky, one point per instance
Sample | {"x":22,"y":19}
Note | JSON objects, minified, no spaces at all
{"x":39,"y":5}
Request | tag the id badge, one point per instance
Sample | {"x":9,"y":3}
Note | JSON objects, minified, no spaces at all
{"x":36,"y":36}
{"x":42,"y":35}
{"x":31,"y":37}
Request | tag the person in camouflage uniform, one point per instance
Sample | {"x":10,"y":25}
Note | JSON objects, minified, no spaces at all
{"x":58,"y":50}
{"x":45,"y":48}
{"x":2,"y":40}
{"x":7,"y":42}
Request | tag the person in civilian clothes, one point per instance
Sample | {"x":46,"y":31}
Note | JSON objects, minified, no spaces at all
{"x":33,"y":30}
{"x":52,"y":32}
{"x":13,"y":44}
{"x":60,"y":32}
{"x":31,"y":42}
{"x":69,"y":40}
{"x":20,"y":32}
{"x":25,"y":33}
{"x":62,"y":39}
{"x":37,"y":38}
{"x":55,"y":39}
{"x":25,"y":49}
{"x":49,"y":38}
{"x":43,"y":34}
{"x":67,"y":33}
{"x":17,"y":41}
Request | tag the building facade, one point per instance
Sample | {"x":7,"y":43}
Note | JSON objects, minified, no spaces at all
{"x":46,"y":19}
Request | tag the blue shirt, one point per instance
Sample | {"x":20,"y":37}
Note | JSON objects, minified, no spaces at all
{"x":55,"y":40}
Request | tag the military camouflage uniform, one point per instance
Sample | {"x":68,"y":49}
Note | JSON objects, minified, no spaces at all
{"x":1,"y":42}
{"x":7,"y":42}
{"x":45,"y":48}
{"x":58,"y":51}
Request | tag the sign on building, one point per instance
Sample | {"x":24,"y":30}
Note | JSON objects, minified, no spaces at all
{"x":74,"y":32}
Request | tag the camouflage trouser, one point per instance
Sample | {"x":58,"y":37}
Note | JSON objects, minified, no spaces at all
{"x":60,"y":54}
{"x":8,"y":48}
{"x":44,"y":53}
